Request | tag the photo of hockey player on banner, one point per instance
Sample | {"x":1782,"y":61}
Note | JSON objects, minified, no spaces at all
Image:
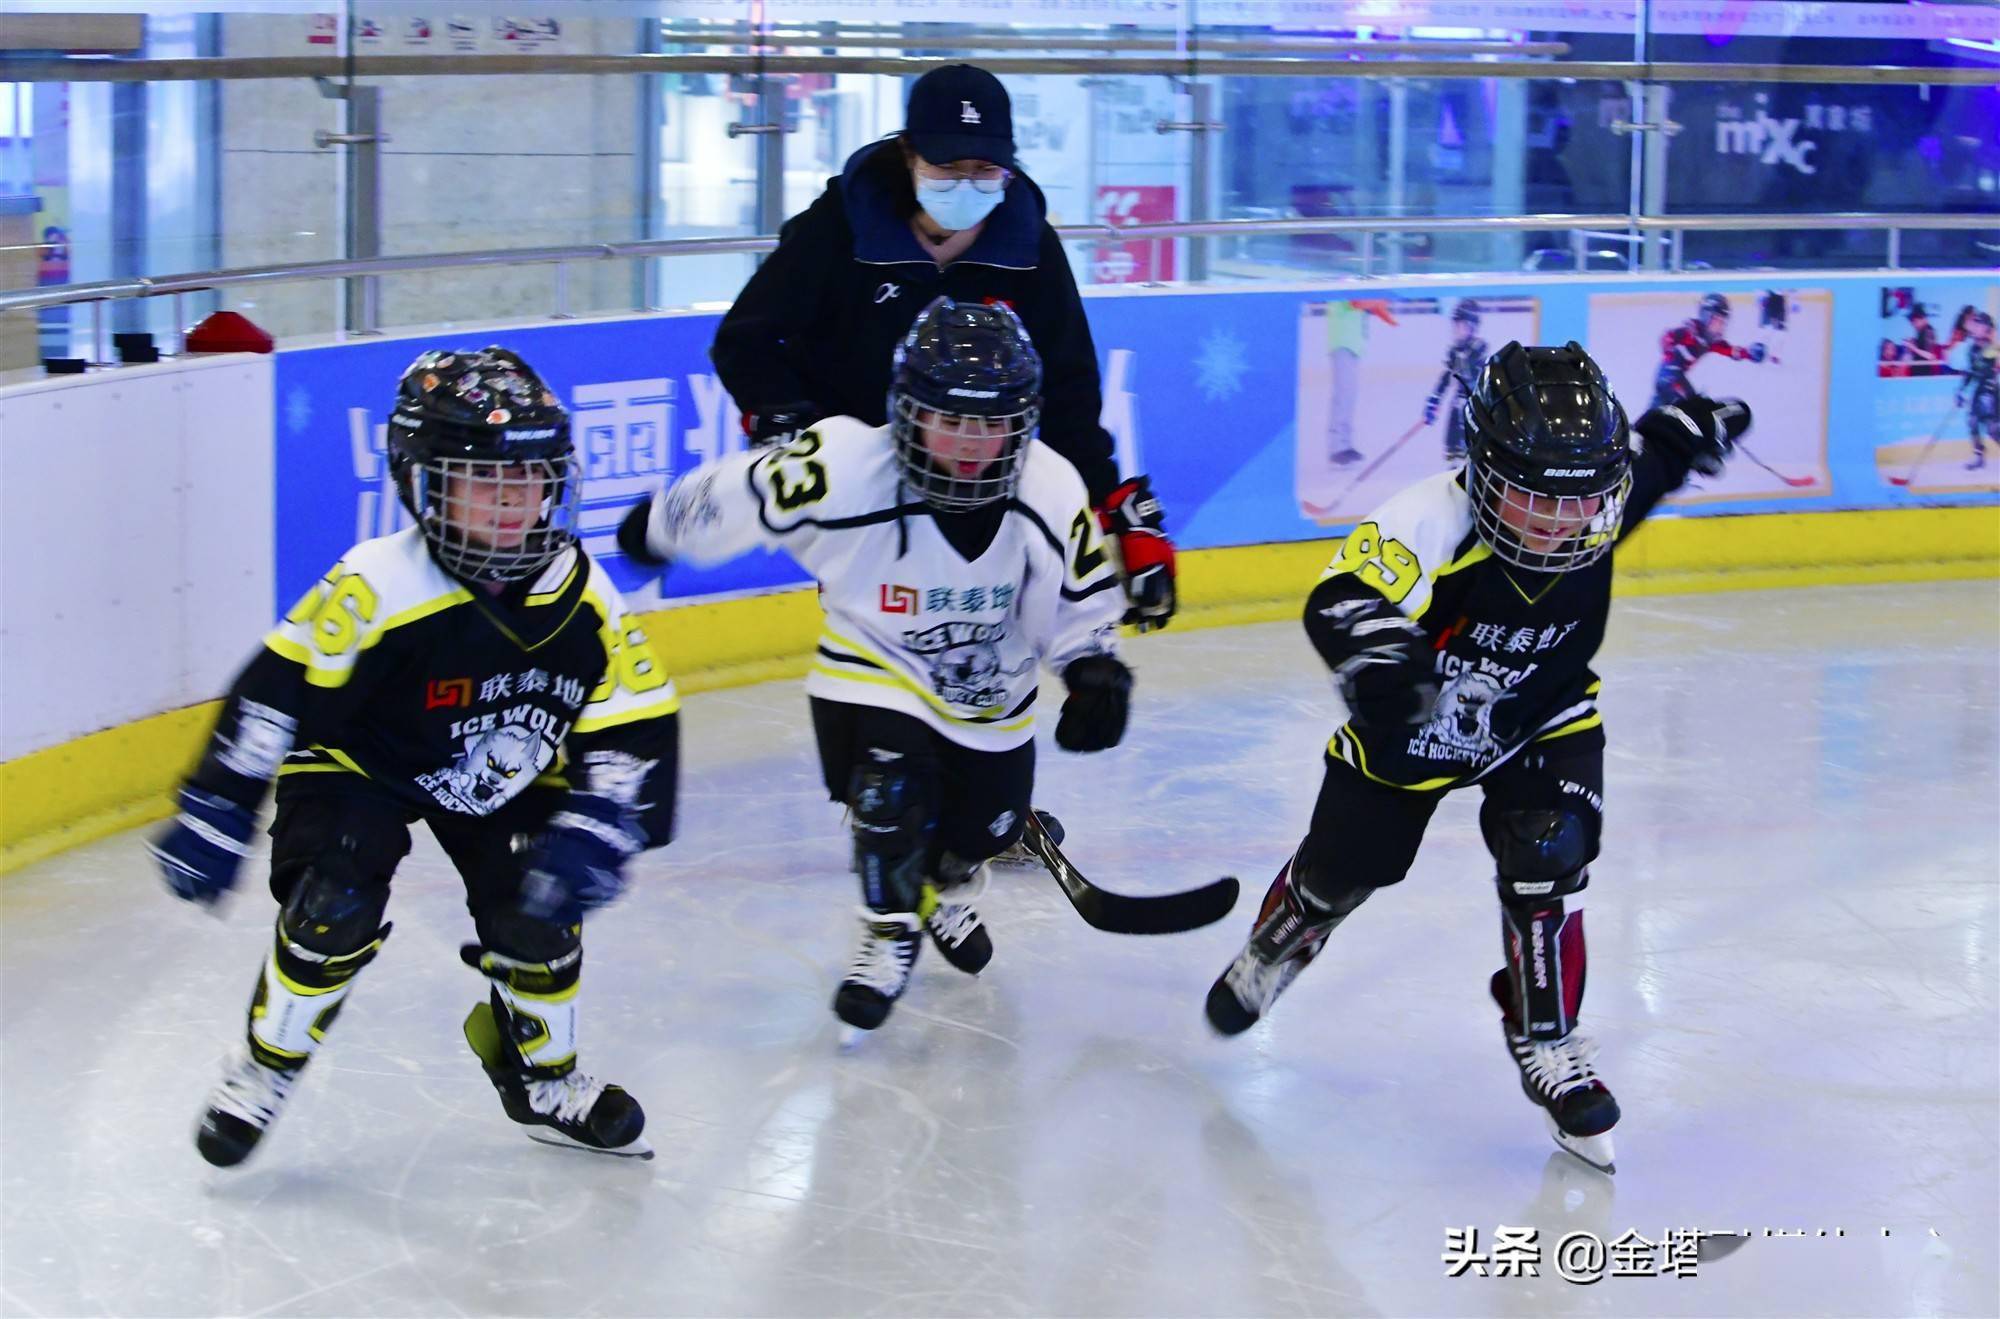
{"x":1771,"y":348}
{"x":1937,"y":395}
{"x":1381,"y":382}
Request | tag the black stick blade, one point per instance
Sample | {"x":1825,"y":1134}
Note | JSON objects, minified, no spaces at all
{"x":1120,"y":913}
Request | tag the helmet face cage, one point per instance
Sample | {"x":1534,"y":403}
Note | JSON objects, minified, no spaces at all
{"x":1494,"y":496}
{"x":490,"y":521}
{"x":997,"y":479}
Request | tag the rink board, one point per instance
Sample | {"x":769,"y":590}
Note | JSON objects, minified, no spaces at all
{"x":1232,"y":400}
{"x":69,"y":794}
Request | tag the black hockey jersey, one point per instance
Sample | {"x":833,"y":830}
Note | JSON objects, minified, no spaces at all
{"x":1512,"y":647}
{"x":449,"y":698}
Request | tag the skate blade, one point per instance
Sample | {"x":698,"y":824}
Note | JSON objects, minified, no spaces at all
{"x":1593,"y":1150}
{"x":851,"y":1037}
{"x":638,"y":1149}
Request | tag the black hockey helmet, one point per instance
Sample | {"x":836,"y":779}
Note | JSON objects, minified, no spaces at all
{"x":1713,"y":304}
{"x":1919,"y":311}
{"x":1467,"y":310}
{"x":1980,"y":318}
{"x":965,"y":375}
{"x":1547,"y":445}
{"x":480,"y":448}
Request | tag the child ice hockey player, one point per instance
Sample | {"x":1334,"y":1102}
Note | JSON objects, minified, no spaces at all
{"x":476,"y":672}
{"x":1459,"y":622}
{"x":955,"y":553}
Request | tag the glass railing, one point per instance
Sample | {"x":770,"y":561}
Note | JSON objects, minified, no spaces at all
{"x":208,"y":141}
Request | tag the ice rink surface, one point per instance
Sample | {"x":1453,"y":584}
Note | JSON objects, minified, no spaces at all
{"x":1793,"y":978}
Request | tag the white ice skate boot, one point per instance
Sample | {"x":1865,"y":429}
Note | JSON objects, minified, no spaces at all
{"x":949,"y":915}
{"x":242,"y":1108}
{"x":880,"y":971}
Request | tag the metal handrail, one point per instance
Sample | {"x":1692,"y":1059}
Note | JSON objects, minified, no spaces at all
{"x":1199,"y":46}
{"x":639,"y":249}
{"x":1193,"y":63}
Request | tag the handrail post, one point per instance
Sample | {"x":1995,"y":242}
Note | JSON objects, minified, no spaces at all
{"x":362,"y":141}
{"x":562,"y":312}
{"x":1895,"y":248}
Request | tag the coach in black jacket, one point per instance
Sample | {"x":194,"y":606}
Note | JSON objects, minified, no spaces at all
{"x":937,"y":209}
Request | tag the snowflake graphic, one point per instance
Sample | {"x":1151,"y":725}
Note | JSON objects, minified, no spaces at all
{"x":298,"y":410}
{"x":1221,"y":365}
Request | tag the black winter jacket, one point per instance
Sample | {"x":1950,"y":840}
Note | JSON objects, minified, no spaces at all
{"x":820,"y":320}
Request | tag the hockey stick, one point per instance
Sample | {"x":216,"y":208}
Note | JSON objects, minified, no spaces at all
{"x":1747,"y":452}
{"x":1931,"y":443}
{"x":1321,"y":510}
{"x":1119,"y":913}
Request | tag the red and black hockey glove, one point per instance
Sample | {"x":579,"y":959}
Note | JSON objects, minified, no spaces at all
{"x":778,"y":423}
{"x":1100,"y":699}
{"x":1702,"y":432}
{"x":1145,"y":555}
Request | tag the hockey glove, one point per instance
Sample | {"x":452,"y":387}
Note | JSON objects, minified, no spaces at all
{"x":1100,"y":698}
{"x":1699,"y":431}
{"x":1756,"y":353}
{"x":579,"y":863}
{"x":1387,"y":677}
{"x":1430,"y":409}
{"x":778,"y":423}
{"x":1145,"y":555}
{"x":201,"y":851}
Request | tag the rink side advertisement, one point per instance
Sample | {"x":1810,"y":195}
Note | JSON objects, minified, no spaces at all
{"x":1266,"y":416}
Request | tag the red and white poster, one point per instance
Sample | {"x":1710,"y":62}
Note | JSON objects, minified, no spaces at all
{"x":1145,"y":260}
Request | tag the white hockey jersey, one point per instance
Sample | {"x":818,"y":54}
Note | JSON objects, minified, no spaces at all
{"x":911,"y":624}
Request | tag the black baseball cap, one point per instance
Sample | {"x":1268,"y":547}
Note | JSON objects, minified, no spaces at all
{"x":960,"y":112}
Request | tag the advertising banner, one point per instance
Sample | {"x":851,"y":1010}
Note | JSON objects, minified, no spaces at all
{"x":1269,"y":415}
{"x":645,"y":405}
{"x":1936,"y":404}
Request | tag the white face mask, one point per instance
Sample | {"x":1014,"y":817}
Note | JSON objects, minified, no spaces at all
{"x":958,"y":207}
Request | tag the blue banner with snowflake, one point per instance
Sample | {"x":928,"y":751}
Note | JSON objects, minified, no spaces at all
{"x":1265,"y":415}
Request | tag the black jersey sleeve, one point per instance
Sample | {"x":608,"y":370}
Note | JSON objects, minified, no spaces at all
{"x":257,"y":727}
{"x":1329,"y":606}
{"x":1655,"y":475}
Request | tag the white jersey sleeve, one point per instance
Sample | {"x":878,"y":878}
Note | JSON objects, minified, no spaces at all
{"x":635,"y":686}
{"x":780,"y":497}
{"x":377,"y":586}
{"x":1071,"y":602}
{"x":1423,"y":532}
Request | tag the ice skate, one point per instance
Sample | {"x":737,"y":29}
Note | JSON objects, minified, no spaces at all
{"x":1559,"y":1077}
{"x":880,"y":971}
{"x":566,"y":1107}
{"x":954,"y":923}
{"x":1018,"y":857}
{"x":1288,"y":934}
{"x":242,"y":1108}
{"x":1977,"y":461}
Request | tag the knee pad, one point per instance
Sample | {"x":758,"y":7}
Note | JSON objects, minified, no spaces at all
{"x":523,"y":938}
{"x":893,"y":824}
{"x":1541,"y":855}
{"x":331,"y":925}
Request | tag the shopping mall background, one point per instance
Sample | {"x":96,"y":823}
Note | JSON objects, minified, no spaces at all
{"x":190,"y":500}
{"x":150,"y":178}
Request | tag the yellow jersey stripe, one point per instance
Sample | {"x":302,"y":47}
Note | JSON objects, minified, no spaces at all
{"x":670,"y":704}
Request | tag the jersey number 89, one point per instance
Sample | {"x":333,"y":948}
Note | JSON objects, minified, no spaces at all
{"x":1386,"y":565}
